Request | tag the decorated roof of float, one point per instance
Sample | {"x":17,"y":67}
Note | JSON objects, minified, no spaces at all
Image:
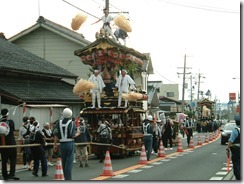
{"x":105,"y":49}
{"x":206,"y":101}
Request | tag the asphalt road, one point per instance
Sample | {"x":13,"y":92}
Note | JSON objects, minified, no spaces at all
{"x":203,"y":163}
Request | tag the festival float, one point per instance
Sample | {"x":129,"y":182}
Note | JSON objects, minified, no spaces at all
{"x":206,"y":110}
{"x":110,"y":57}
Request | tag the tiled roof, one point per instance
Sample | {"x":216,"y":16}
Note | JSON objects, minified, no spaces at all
{"x":57,"y":28}
{"x":62,"y":29}
{"x":14,"y":58}
{"x":37,"y":91}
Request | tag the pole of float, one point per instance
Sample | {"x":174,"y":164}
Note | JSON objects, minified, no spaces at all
{"x":51,"y":118}
{"x":24,"y":109}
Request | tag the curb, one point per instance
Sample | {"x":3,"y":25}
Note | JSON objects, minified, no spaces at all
{"x":230,"y":176}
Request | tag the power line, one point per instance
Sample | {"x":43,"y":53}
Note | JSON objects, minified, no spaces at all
{"x":202,"y":7}
{"x":80,"y":9}
{"x":165,"y":78}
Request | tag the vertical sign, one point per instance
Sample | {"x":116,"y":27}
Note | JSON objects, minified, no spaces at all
{"x":232,"y":96}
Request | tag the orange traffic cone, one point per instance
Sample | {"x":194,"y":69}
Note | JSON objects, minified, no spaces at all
{"x":59,"y":175}
{"x":206,"y":139}
{"x":199,"y":142}
{"x":143,"y":156}
{"x":161,"y":150}
{"x":179,"y":149}
{"x":191,"y":145}
{"x":107,"y":167}
{"x":214,"y":136}
{"x":210,"y":137}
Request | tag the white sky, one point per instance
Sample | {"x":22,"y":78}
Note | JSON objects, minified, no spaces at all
{"x":207,"y":31}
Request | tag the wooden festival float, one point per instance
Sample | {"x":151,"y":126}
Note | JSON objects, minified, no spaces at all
{"x":109,"y":57}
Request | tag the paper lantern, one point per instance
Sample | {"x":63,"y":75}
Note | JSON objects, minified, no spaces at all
{"x":89,"y":57}
{"x":110,"y":53}
{"x":128,"y":56}
{"x":121,"y":56}
{"x":83,"y":58}
{"x":100,"y":53}
{"x":115,"y":54}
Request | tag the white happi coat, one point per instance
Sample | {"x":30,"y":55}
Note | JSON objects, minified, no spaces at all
{"x":123,"y":83}
{"x":98,"y":81}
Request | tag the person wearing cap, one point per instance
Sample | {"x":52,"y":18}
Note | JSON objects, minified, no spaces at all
{"x":107,"y":19}
{"x":147,"y":130}
{"x":49,"y":139}
{"x":38,"y":152}
{"x":99,"y":85}
{"x":24,"y":133}
{"x":84,"y":137}
{"x":123,"y":83}
{"x":8,"y":155}
{"x":189,"y":125}
{"x":157,"y":135}
{"x":234,"y":147}
{"x":65,"y":131}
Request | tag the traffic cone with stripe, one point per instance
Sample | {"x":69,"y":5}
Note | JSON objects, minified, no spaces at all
{"x":59,"y":175}
{"x":191,"y":145}
{"x":161,"y":150}
{"x":179,"y":149}
{"x":210,"y":137}
{"x":199,"y":142}
{"x":107,"y":167}
{"x":214,"y":137}
{"x":206,"y":139}
{"x":143,"y":156}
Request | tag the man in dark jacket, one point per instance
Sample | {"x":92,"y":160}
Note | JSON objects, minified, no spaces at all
{"x":84,"y":137}
{"x":8,"y":154}
{"x":147,"y":130}
{"x":167,"y":133}
{"x":38,"y":152}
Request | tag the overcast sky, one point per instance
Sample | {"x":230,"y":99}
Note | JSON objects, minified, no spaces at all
{"x":207,"y":31}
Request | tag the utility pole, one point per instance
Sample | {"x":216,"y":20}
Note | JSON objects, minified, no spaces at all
{"x":199,"y":81}
{"x":184,"y":81}
{"x":107,"y":4}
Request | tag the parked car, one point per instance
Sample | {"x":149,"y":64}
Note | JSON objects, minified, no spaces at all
{"x":226,"y":131}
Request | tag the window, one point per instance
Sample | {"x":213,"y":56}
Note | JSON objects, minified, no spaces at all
{"x":170,"y":94}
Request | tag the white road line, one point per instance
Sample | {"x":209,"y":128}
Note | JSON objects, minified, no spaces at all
{"x":216,"y":178}
{"x":147,"y":166}
{"x":173,"y":157}
{"x":165,"y":160}
{"x":221,"y":173}
{"x":120,"y":176}
{"x":156,"y":163}
{"x":225,"y":168}
{"x":134,"y":171}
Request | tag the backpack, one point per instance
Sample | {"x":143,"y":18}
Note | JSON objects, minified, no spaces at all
{"x":145,"y":128}
{"x":31,"y":138}
{"x":4,"y":128}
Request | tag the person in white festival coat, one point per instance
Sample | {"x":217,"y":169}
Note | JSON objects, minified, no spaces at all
{"x":123,"y":83}
{"x":99,"y":85}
